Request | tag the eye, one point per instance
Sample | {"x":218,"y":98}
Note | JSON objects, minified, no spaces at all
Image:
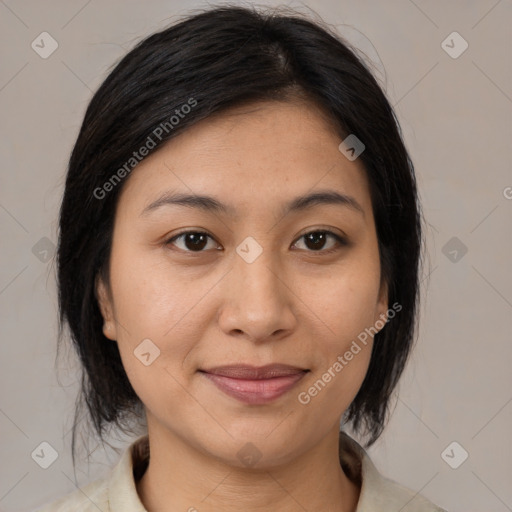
{"x":196,"y":241}
{"x":316,"y":240}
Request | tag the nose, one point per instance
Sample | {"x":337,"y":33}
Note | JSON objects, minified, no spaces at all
{"x":257,"y":300}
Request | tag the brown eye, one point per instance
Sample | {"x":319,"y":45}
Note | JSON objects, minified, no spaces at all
{"x":193,"y":241}
{"x":316,"y":240}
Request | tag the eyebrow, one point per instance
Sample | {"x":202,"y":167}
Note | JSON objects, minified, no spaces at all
{"x":210,"y":204}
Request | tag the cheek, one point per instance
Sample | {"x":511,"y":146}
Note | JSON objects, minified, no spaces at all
{"x":346,"y":305}
{"x":157,"y":323}
{"x":346,"y":313}
{"x":343,"y":356}
{"x":150,"y":299}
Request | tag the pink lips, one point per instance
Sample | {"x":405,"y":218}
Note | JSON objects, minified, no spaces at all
{"x":255,"y":385}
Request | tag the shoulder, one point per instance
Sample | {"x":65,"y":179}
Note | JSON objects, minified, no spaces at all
{"x":92,"y":497}
{"x":378,"y":493}
{"x":384,"y":494}
{"x":116,"y":491}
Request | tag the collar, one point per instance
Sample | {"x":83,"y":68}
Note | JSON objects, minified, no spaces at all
{"x":377,"y":492}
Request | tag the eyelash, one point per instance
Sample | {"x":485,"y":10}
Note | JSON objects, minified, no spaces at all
{"x":341,"y":241}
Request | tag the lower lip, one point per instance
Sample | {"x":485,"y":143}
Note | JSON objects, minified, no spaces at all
{"x":259,"y":391}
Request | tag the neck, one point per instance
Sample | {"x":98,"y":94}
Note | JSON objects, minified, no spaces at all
{"x":180,"y":477}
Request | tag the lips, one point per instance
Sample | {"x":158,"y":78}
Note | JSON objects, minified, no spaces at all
{"x":254,"y":372}
{"x":255,"y":385}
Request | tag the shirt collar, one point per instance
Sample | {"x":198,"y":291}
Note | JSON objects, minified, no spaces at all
{"x":122,"y":491}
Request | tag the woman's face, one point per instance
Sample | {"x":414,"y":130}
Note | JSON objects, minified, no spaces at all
{"x":254,"y":290}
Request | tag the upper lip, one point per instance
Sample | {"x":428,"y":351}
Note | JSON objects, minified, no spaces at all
{"x":245,"y":371}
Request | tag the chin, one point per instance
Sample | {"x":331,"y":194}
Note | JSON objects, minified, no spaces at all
{"x":247,"y":446}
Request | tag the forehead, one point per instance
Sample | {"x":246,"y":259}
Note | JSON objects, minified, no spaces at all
{"x":253,"y":157}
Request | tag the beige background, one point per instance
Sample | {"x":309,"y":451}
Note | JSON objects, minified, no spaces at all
{"x":456,"y":116}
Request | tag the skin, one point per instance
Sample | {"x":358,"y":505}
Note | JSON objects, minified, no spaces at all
{"x":295,"y":304}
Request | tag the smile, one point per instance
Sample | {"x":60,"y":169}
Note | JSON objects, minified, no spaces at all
{"x":255,"y":391}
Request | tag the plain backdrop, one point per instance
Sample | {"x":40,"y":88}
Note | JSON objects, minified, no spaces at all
{"x":455,"y":108}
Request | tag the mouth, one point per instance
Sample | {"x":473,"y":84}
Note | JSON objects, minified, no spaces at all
{"x":255,"y":385}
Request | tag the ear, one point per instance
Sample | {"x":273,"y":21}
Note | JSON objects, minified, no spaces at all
{"x":382,"y":304}
{"x":106,"y":308}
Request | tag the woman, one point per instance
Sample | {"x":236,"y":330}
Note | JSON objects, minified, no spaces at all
{"x":238,"y":264}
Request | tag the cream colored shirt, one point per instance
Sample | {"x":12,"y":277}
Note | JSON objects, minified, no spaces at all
{"x":117,"y":492}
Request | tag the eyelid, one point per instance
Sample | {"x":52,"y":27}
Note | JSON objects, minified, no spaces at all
{"x":340,"y":235}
